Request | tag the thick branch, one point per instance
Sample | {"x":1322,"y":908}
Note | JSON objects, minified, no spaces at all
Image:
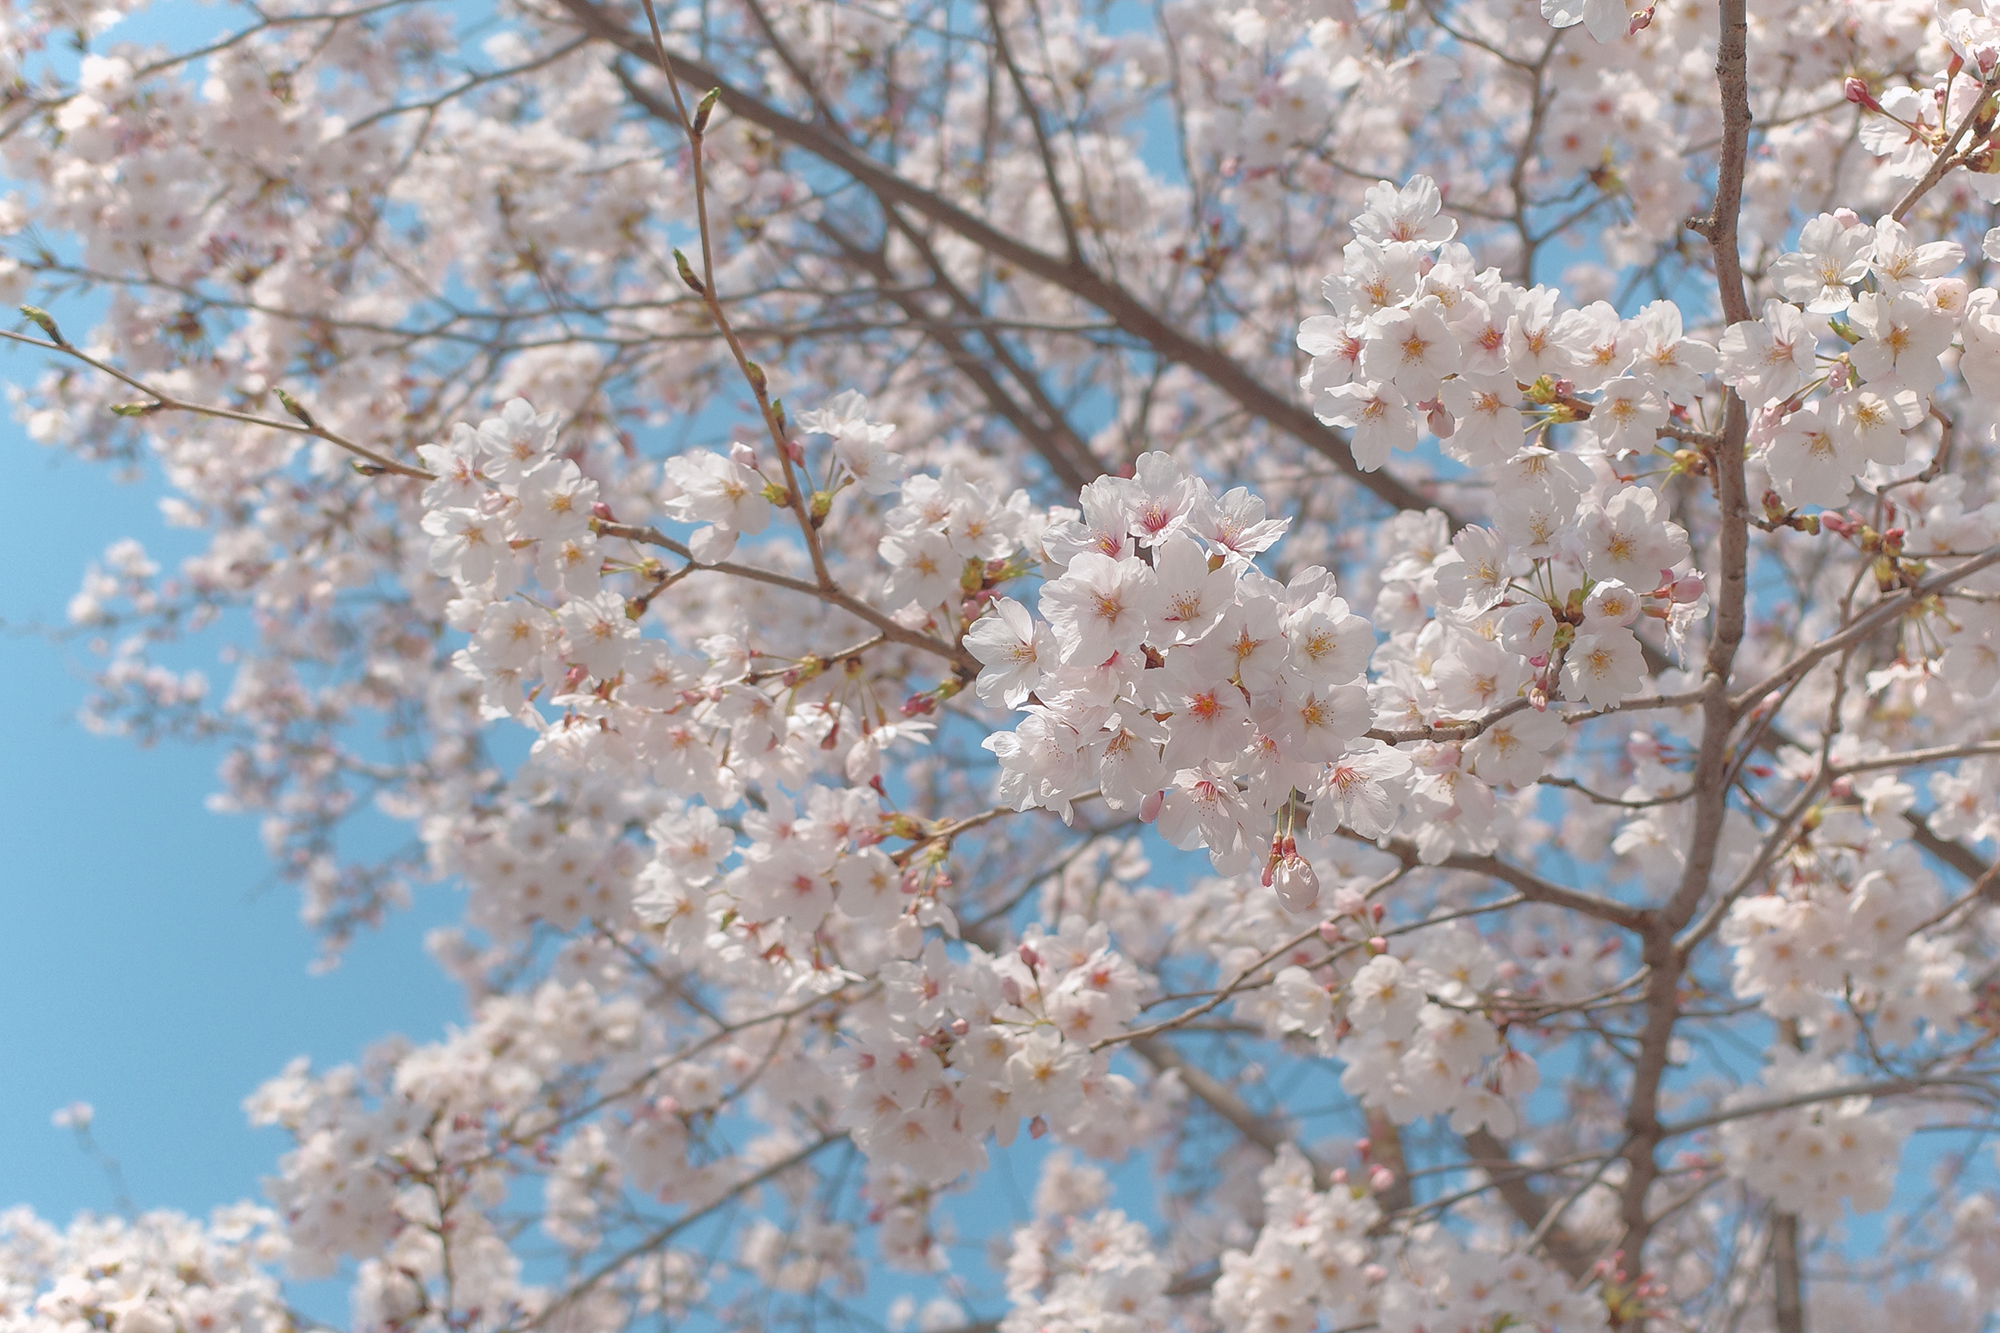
{"x":1493,"y":1157}
{"x":1788,"y":1300}
{"x":1261,"y":1130}
{"x":1711,"y":803}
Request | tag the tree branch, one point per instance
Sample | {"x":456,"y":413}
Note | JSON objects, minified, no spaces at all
{"x":1080,"y":280}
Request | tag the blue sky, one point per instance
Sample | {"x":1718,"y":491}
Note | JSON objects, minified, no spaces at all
{"x":149,"y":965}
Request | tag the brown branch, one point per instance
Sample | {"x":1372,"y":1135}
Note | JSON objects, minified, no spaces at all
{"x":1067,"y":456}
{"x":166,"y":402}
{"x":666,"y":1232}
{"x":1262,"y":1130}
{"x":1492,"y":1156}
{"x":1080,"y":280}
{"x":1947,"y":154}
{"x":1711,"y":803}
{"x":1863,"y":625}
{"x":1536,"y":889}
{"x":1787,"y":1300}
{"x":890,"y":629}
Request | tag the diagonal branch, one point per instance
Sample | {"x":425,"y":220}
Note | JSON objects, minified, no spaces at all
{"x":1160,"y":334}
{"x":1492,"y":1156}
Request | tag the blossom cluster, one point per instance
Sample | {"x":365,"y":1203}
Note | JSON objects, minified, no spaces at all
{"x":960,"y":1050}
{"x":1314,"y":1261}
{"x":1184,"y":682}
{"x":155,"y":1273}
{"x":1810,"y":1159}
{"x":1410,"y":1032}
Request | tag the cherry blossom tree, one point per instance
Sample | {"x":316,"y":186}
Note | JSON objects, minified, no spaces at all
{"x":1383,"y":613}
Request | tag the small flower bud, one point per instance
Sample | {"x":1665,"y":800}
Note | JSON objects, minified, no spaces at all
{"x":1297,"y":885}
{"x":292,"y":406}
{"x":46,"y":323}
{"x":686,"y":270}
{"x":704,"y":109}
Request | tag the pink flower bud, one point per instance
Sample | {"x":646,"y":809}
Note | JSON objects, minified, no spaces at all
{"x":1038,"y":1127}
{"x":1149,"y":806}
{"x":743,"y":455}
{"x":1440,"y":422}
{"x":1381,"y":1179}
{"x":1329,"y":932}
{"x":959,"y":1027}
{"x":602,"y":510}
{"x":1846,"y":217}
{"x":1297,"y":885}
{"x":1010,"y":990}
{"x":795,"y":451}
{"x":1030,"y":957}
{"x":1641,"y":20}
